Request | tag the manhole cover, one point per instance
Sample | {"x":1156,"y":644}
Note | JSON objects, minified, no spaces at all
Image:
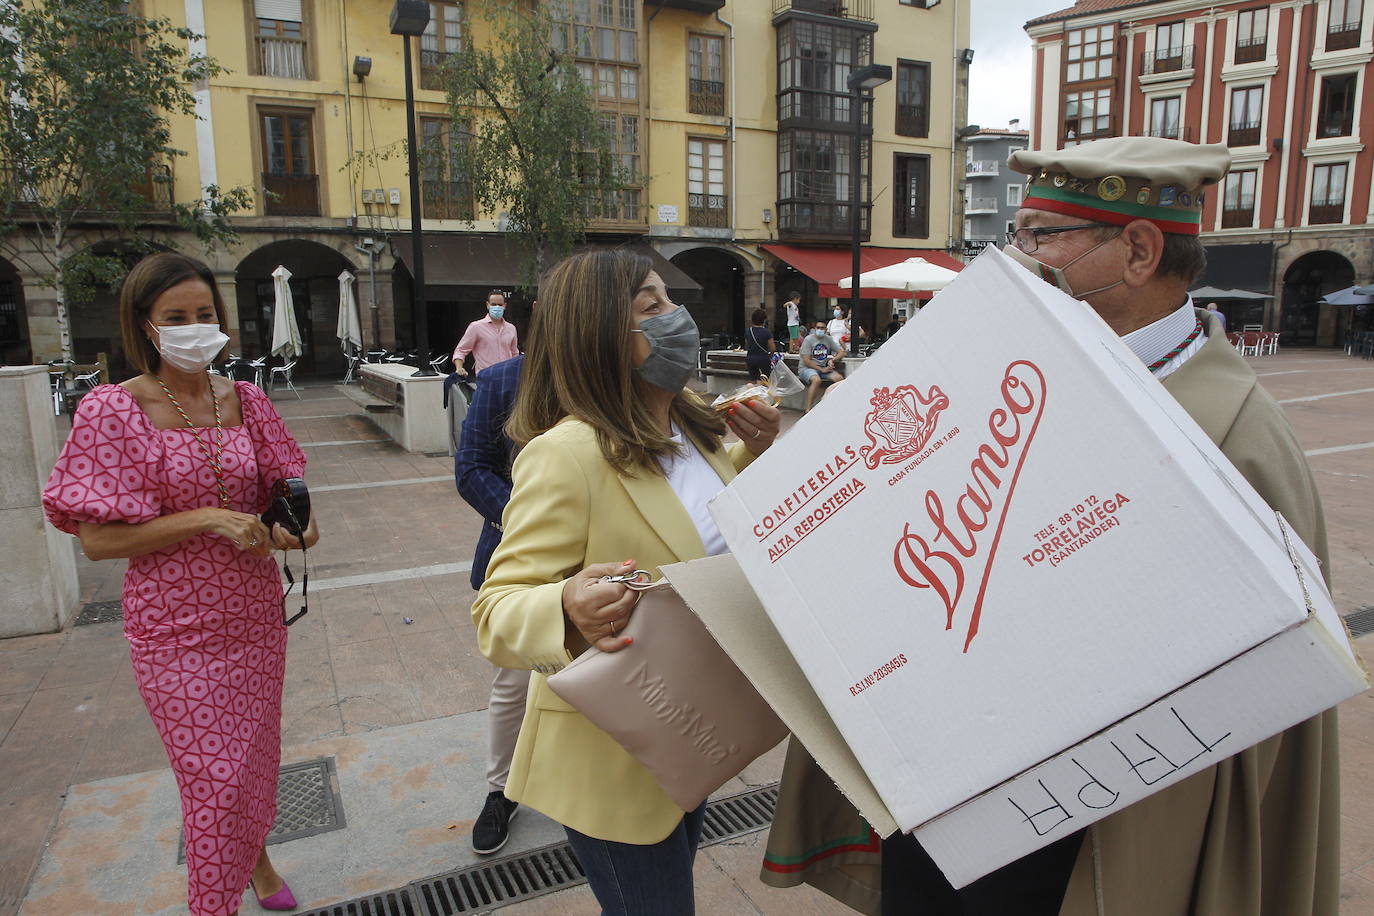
{"x":308,"y":803}
{"x":100,"y":612}
{"x":501,"y":882}
{"x":1361,"y":621}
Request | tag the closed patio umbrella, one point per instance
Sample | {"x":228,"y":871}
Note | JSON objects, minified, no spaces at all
{"x":286,"y":334}
{"x":912,"y":275}
{"x":349,"y":330}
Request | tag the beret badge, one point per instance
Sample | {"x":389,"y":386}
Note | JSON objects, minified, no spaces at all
{"x":1111,"y":188}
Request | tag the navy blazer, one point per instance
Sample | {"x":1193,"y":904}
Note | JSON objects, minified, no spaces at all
{"x":482,"y":466}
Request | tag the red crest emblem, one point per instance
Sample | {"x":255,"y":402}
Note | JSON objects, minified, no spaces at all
{"x":900,"y":423}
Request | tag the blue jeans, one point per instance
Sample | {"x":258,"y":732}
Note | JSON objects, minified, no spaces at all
{"x":633,"y":880}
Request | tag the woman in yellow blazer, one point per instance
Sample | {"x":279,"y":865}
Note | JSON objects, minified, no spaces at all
{"x":616,"y":464}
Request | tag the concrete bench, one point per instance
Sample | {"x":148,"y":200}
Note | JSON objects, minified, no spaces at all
{"x":364,"y":400}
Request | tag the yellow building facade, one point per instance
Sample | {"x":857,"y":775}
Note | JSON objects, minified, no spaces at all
{"x":734,"y":112}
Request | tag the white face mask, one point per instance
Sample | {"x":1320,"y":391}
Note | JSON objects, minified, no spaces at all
{"x":1055,"y":276}
{"x":190,"y":347}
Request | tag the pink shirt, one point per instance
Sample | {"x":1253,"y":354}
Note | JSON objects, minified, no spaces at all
{"x":488,"y":341}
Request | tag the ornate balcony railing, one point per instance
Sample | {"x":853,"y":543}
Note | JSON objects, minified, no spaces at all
{"x":432,"y":68}
{"x":912,"y":120}
{"x":848,"y":9}
{"x":1168,"y":60}
{"x":710,"y":211}
{"x":1171,"y":132}
{"x":706,"y":97}
{"x":1341,"y":36}
{"x":291,"y":195}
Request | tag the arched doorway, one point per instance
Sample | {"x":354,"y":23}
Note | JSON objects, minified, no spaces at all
{"x":315,"y":270}
{"x":15,"y":348}
{"x":722,"y":310}
{"x":1304,"y":323}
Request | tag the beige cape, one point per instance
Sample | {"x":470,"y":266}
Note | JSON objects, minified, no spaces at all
{"x":1258,"y":834}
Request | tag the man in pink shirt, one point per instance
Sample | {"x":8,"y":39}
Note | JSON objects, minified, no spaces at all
{"x":490,"y":340}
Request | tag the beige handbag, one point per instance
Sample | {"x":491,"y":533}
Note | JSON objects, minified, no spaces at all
{"x":672,"y":699}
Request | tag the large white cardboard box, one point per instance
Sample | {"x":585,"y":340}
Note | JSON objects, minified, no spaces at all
{"x":1003,"y":546}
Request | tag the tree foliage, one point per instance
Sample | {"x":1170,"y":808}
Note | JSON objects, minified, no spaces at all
{"x":86,"y":90}
{"x":533,"y":146}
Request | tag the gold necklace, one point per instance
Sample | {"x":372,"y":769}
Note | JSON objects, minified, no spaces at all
{"x":211,"y":458}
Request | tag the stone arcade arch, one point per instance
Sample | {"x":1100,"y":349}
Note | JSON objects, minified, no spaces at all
{"x":315,"y":269}
{"x":1304,"y":323}
{"x":724,"y":308}
{"x":16,"y":348}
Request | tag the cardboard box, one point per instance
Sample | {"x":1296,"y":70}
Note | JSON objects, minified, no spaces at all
{"x":1002,"y":539}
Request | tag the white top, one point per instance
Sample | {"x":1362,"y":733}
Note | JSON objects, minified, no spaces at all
{"x":838,"y":328}
{"x":793,"y":313}
{"x":1158,"y":338}
{"x":695,"y":482}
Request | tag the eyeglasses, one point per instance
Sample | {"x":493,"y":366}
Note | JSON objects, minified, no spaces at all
{"x":1027,"y":238}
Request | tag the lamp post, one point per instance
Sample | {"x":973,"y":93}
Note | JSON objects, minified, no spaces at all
{"x":408,"y":19}
{"x":862,"y":81}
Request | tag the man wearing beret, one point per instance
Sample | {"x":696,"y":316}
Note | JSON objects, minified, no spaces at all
{"x":1115,"y":223}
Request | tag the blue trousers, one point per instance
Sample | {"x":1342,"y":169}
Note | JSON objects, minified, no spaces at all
{"x":633,"y":880}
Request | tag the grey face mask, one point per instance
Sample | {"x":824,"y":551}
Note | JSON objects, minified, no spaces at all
{"x":674,"y":342}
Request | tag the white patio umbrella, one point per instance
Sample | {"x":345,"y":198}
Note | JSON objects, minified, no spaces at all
{"x":349,"y":330}
{"x":912,"y":275}
{"x":286,"y":335}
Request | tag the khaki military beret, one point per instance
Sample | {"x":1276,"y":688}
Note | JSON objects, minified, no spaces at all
{"x":1120,"y":179}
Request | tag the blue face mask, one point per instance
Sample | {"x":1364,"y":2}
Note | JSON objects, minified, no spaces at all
{"x":496,"y":311}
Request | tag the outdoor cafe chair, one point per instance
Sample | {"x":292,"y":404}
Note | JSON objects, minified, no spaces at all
{"x":439,"y":361}
{"x":1250,"y":343}
{"x":259,"y":367}
{"x":352,"y":361}
{"x":285,"y":372}
{"x":1270,"y":343}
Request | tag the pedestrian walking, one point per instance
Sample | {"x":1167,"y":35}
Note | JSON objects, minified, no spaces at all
{"x":482,"y":471}
{"x":490,"y":339}
{"x":617,"y":465}
{"x":171,"y":469}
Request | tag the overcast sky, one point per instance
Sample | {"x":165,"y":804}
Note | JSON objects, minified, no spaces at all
{"x":1001,"y":79}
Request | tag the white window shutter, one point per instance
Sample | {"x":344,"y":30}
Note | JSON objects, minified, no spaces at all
{"x":283,"y":10}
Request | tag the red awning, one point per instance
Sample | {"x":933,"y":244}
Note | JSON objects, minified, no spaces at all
{"x":828,"y":266}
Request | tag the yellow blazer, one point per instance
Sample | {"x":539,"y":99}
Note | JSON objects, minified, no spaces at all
{"x":569,"y":508}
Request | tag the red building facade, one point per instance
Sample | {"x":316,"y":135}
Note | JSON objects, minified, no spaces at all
{"x":1285,"y":86}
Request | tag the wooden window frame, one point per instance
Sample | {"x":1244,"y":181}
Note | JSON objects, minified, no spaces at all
{"x":1245,"y":133}
{"x":1342,"y":36}
{"x":1346,"y":125}
{"x":1096,"y":134}
{"x":1326,"y":212}
{"x":1239,"y":217}
{"x":704,"y":96}
{"x":429,"y":79}
{"x":250,"y":23}
{"x":262,"y":108}
{"x":707,"y":216}
{"x":1082,"y":60}
{"x":914,"y":121}
{"x":443,"y":205}
{"x":1251,"y":49}
{"x":902,"y":226}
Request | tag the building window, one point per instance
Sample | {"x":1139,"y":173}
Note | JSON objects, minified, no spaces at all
{"x":911,"y":197}
{"x":280,"y":39}
{"x":1336,"y":110}
{"x":707,"y":202}
{"x":446,"y":195}
{"x":1089,"y":53}
{"x":814,"y":62}
{"x":1014,"y":194}
{"x":1170,"y":52}
{"x":289,"y":177}
{"x":1087,"y":115}
{"x":1343,"y":24}
{"x":1164,"y":117}
{"x":1328,"y":194}
{"x":604,"y":36}
{"x":814,"y":180}
{"x":1252,"y":35}
{"x":913,"y":98}
{"x":1238,"y":205}
{"x":706,"y":74}
{"x":1246,"y":107}
{"x":443,"y":37}
{"x":621,"y":205}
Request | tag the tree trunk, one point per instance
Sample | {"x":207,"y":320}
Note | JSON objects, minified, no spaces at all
{"x":64,"y":325}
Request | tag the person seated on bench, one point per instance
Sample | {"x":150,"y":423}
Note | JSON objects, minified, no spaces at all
{"x":820,"y":356}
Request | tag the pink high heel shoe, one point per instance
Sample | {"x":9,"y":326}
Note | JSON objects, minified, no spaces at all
{"x":281,"y":900}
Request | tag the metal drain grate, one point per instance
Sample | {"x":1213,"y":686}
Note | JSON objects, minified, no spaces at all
{"x":99,"y":612}
{"x":307,"y":803}
{"x":498,"y":883}
{"x":1361,"y":621}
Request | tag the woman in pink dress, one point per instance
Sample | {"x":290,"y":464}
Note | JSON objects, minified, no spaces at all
{"x":171,"y":469}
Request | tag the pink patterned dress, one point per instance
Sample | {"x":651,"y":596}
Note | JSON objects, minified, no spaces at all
{"x":203,"y":618}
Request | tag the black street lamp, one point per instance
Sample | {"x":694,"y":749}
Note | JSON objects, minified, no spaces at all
{"x":861,"y":82}
{"x":408,"y":19}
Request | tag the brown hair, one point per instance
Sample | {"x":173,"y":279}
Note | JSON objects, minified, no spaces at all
{"x":759,"y":316}
{"x":579,"y":364}
{"x":149,"y":279}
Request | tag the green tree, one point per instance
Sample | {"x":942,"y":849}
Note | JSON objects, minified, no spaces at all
{"x":86,"y":89}
{"x":535,"y":147}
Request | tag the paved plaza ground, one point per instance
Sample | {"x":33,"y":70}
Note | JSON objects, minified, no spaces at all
{"x":384,"y":677}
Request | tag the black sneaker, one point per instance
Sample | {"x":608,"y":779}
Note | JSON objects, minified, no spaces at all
{"x":493,"y":825}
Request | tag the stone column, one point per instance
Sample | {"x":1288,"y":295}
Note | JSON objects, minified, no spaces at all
{"x":38,"y":577}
